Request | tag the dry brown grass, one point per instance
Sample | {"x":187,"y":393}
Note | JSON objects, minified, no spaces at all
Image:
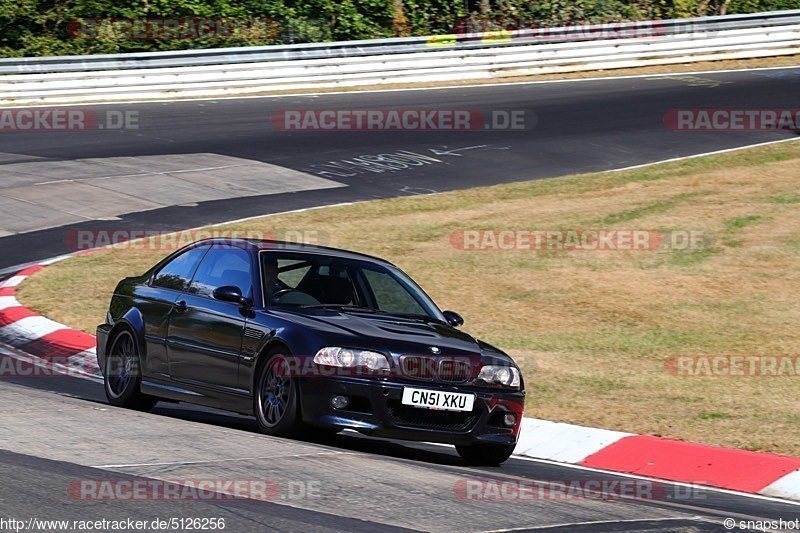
{"x":591,"y":330}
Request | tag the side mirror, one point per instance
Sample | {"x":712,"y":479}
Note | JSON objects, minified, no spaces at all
{"x":232,"y":294}
{"x":453,"y":318}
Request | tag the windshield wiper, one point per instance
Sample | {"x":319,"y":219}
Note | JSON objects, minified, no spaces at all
{"x":359,"y":309}
{"x":337,"y":307}
{"x":413,"y":316}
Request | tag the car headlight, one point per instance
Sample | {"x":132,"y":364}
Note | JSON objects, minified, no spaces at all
{"x":349,"y":358}
{"x":503,"y":376}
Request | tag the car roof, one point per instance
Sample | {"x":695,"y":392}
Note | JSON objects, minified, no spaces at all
{"x":265,"y":245}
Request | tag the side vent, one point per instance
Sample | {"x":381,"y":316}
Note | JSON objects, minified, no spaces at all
{"x":253,"y":333}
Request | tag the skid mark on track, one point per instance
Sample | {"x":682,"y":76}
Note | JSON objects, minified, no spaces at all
{"x":692,"y":81}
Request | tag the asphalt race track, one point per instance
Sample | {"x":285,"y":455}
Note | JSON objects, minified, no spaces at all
{"x":366,"y":484}
{"x":569,"y":127}
{"x":404,"y":476}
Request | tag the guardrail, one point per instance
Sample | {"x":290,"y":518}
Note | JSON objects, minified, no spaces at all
{"x":249,"y":70}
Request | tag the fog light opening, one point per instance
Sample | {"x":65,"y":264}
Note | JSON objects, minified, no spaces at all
{"x":509,"y":419}
{"x":339,"y":402}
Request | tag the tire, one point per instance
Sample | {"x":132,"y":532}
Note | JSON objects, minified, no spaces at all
{"x":485,"y":454}
{"x":276,"y":398}
{"x":122,"y":377}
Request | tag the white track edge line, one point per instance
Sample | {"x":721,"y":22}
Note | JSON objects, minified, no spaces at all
{"x":694,"y":156}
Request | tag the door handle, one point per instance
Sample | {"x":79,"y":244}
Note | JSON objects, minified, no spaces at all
{"x":180,"y":306}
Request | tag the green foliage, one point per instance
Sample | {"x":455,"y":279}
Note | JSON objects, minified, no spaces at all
{"x":58,"y":27}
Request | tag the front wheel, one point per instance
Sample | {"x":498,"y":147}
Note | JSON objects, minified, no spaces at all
{"x":485,"y":454}
{"x":122,"y":377}
{"x":276,"y":398}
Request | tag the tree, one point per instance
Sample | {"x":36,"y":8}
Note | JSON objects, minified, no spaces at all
{"x":400,"y":24}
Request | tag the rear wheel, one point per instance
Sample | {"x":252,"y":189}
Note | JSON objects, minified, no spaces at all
{"x":485,"y":454}
{"x":276,"y":398}
{"x":122,"y":377}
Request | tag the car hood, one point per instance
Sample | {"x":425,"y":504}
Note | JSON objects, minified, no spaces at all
{"x":385,"y":333}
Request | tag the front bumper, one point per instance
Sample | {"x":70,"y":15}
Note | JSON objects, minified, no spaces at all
{"x":376,"y":409}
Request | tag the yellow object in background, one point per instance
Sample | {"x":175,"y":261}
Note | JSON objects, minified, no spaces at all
{"x":442,"y":40}
{"x":500,"y":36}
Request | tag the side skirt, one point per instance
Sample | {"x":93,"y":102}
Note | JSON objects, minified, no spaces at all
{"x":182,"y":392}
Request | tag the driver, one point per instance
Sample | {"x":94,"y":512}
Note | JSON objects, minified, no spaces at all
{"x":273,"y":284}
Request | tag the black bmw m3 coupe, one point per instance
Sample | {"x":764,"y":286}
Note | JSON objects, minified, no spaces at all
{"x":307,"y":339}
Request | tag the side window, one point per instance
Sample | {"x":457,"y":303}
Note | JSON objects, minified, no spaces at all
{"x":177,"y":274}
{"x":390,"y":295}
{"x":223,"y":265}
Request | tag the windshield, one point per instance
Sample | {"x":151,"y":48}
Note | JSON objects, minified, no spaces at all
{"x":309,"y":280}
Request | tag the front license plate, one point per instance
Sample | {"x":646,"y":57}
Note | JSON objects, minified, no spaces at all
{"x":435,"y":399}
